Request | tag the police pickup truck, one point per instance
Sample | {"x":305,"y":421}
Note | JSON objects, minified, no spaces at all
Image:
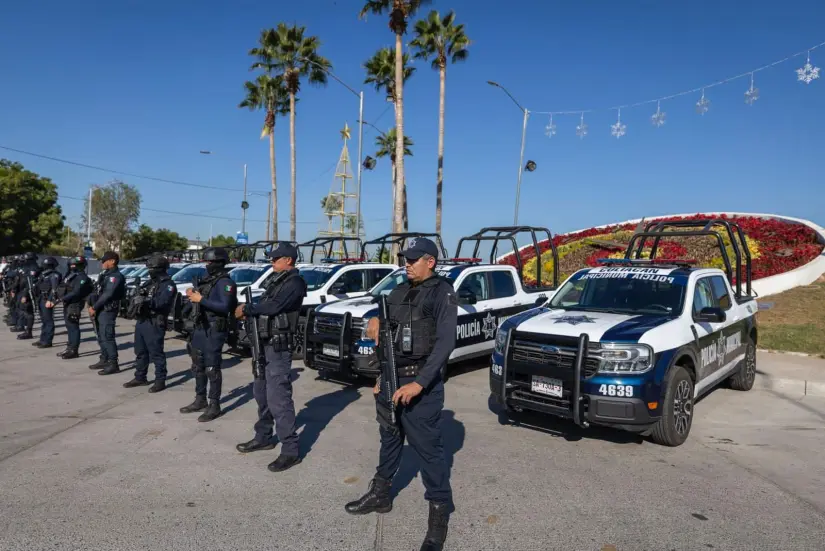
{"x":488,"y":294}
{"x":633,"y":343}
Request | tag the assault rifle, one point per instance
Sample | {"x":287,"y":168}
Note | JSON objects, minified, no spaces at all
{"x":138,"y":301}
{"x":30,"y":289}
{"x":388,"y":379}
{"x":253,"y":334}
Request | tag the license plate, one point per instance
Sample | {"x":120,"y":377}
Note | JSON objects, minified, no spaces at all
{"x":546,"y":385}
{"x":329,"y":350}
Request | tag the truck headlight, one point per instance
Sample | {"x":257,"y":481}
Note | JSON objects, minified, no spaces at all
{"x":623,"y":358}
{"x":501,"y":340}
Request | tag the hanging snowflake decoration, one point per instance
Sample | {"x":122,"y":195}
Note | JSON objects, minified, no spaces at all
{"x":703,"y":104}
{"x":550,"y":129}
{"x":618,"y":130}
{"x":808,"y":72}
{"x":581,"y":129}
{"x":658,"y":118}
{"x":752,"y":94}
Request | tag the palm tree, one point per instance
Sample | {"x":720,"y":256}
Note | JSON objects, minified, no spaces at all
{"x":268,"y":93}
{"x":285,"y":51}
{"x":386,"y":147}
{"x":400,"y":11}
{"x":441,"y":40}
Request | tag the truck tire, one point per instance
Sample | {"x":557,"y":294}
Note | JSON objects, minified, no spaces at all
{"x":673,"y":426}
{"x":746,"y":374}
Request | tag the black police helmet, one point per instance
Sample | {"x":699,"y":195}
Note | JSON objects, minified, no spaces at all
{"x":50,"y":262}
{"x":158,"y":262}
{"x":30,"y":257}
{"x":215,"y":254}
{"x":78,"y":261}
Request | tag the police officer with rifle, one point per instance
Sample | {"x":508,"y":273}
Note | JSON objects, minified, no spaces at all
{"x":73,"y":292}
{"x":278,"y":311}
{"x":415,"y":337}
{"x":47,"y":291}
{"x":150,"y":307}
{"x":213,"y":303}
{"x":26,"y":280}
{"x":104,"y":304}
{"x":9,"y":283}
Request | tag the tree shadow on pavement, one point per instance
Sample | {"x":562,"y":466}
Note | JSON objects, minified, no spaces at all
{"x":452,"y":431}
{"x":562,"y":428}
{"x":319,"y":411}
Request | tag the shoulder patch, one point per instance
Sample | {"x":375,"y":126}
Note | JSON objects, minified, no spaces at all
{"x":227,"y":288}
{"x":169,"y":287}
{"x":452,"y":300}
{"x":112,"y":279}
{"x":82,"y":281}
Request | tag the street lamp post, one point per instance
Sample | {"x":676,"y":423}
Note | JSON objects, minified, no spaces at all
{"x":523,"y":137}
{"x":360,"y":96}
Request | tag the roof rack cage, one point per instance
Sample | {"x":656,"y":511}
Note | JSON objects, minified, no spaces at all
{"x":509,"y":233}
{"x":389,"y":240}
{"x":694,"y":228}
{"x":326,"y":244}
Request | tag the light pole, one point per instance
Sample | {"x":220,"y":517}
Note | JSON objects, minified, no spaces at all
{"x":89,"y":216}
{"x":523,"y":137}
{"x":244,"y":204}
{"x":360,"y":96}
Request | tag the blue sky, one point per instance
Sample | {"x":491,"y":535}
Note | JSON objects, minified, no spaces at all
{"x":141,"y":87}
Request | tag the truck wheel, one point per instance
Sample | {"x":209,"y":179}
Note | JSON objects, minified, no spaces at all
{"x":673,"y":426}
{"x":298,"y":352}
{"x":746,"y":374}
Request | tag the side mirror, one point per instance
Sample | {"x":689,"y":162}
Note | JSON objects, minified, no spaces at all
{"x":710,"y":315}
{"x":337,"y":288}
{"x":466,"y":296}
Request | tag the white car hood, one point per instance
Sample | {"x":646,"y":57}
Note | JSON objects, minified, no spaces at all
{"x":572,"y":323}
{"x":358,"y":307}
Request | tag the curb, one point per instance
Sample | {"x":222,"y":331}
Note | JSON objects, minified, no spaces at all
{"x":788,"y":353}
{"x":790,"y":386}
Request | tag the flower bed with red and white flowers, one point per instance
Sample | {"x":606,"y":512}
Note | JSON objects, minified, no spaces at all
{"x":778,"y":245}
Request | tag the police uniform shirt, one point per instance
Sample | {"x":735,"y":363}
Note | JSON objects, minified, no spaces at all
{"x":27,"y":273}
{"x":48,"y":285}
{"x":221,"y":296}
{"x":113,"y":287}
{"x":79,"y":286}
{"x":440,"y":304}
{"x":290,"y":298}
{"x":164,"y":295}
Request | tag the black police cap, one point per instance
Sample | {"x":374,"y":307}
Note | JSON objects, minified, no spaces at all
{"x":418,"y":247}
{"x":283,"y":250}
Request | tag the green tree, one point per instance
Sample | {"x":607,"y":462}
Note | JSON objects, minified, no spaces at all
{"x":386,"y":148}
{"x":286,"y":52}
{"x":440,"y":40}
{"x":115,"y":211}
{"x":268,"y":93}
{"x":223,"y":241}
{"x":399,"y":11}
{"x":146,"y":241}
{"x":30,"y":218}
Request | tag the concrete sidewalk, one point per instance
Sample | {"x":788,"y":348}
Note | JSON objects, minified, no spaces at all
{"x":790,"y":374}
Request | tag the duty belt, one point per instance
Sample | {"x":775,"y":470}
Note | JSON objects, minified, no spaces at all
{"x":408,"y":370}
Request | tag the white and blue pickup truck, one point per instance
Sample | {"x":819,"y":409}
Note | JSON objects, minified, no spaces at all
{"x":631,"y":344}
{"x":488,"y":293}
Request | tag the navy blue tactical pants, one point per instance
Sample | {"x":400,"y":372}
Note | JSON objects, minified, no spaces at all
{"x":207,"y":346}
{"x":149,"y":341}
{"x":106,"y":335}
{"x":47,"y":325}
{"x":71,"y":313}
{"x":15,"y":311}
{"x":25,"y":315}
{"x":275,"y":405}
{"x":420,"y":426}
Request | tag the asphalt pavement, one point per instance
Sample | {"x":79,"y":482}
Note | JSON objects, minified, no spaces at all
{"x":86,"y":464}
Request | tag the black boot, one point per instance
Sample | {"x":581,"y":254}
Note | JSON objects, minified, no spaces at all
{"x":436,"y":527}
{"x":135,"y":382}
{"x":110,"y":369}
{"x":100,"y":363}
{"x":198,"y":405}
{"x":255,"y":445}
{"x":376,"y":500}
{"x":69,"y":353}
{"x":158,"y":385}
{"x":42,"y":345}
{"x":24,"y":336}
{"x":213,"y":411}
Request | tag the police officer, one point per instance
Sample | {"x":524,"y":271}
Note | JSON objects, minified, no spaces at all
{"x":9,"y":284}
{"x":427,"y":305}
{"x":150,"y":307}
{"x":47,"y":292}
{"x":281,"y":303}
{"x":213,"y":303}
{"x":75,"y":289}
{"x":103,"y":310}
{"x":26,"y":289}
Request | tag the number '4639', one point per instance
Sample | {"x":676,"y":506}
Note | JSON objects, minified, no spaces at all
{"x":625,"y":391}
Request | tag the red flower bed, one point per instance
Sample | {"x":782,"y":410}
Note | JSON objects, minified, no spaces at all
{"x":782,"y":246}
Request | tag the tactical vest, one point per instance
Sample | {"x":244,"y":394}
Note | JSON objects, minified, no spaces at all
{"x":414,"y":330}
{"x":203,"y":317}
{"x":44,"y":284}
{"x":280,"y":330}
{"x":64,"y":286}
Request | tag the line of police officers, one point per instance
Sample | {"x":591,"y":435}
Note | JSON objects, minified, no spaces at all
{"x":424,"y":309}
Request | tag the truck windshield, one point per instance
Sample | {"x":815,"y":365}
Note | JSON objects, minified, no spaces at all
{"x":622,"y":295}
{"x":315,"y":276}
{"x":395,"y":279}
{"x":187,"y":274}
{"x":247,"y":276}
